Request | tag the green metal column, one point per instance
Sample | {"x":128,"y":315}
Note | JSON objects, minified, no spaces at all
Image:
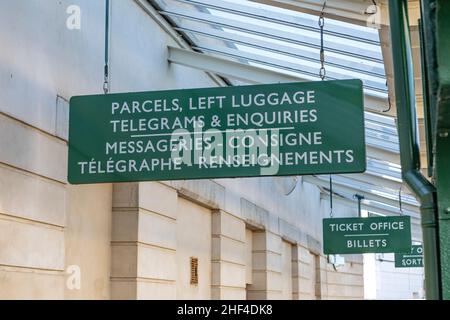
{"x":409,"y":145}
{"x":426,"y":100}
{"x":442,"y":156}
{"x":442,"y":140}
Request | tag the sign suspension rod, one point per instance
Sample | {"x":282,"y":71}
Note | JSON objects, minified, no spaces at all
{"x":331,"y":196}
{"x":359,"y":198}
{"x":106,"y":67}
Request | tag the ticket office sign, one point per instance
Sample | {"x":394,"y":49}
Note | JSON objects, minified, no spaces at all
{"x":367,"y":235}
{"x":244,"y":131}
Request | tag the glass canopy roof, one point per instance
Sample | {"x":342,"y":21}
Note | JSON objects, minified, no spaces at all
{"x":288,"y":42}
{"x":277,"y":38}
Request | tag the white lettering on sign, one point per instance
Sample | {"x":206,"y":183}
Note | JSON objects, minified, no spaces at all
{"x":386,"y":226}
{"x":374,"y":226}
{"x":204,"y":103}
{"x":273,"y":99}
{"x":280,"y":128}
{"x":147,"y":106}
{"x":372,"y":243}
{"x":346,"y":226}
{"x":411,"y":262}
{"x":209,"y":149}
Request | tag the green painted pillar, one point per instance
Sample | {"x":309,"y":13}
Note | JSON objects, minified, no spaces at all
{"x":443,"y":194}
{"x":442,"y":140}
{"x":409,"y":145}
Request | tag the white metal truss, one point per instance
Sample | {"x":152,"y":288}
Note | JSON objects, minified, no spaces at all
{"x":250,"y":73}
{"x":248,"y":10}
{"x":243,"y":8}
{"x":352,"y":11}
{"x":279,"y":40}
{"x":377,"y":180}
{"x":300,"y":67}
{"x":277,"y":47}
{"x":371,"y":194}
{"x":227,"y":68}
{"x":378,"y":153}
{"x":273,"y":33}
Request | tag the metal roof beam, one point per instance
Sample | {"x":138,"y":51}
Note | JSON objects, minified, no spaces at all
{"x":247,"y":9}
{"x":291,"y":66}
{"x":383,"y":191}
{"x":351,"y":11}
{"x":369,"y":206}
{"x":227,"y":68}
{"x":277,"y":47}
{"x":378,"y":153}
{"x":291,"y":37}
{"x":376,"y":180}
{"x":354,"y":190}
{"x":250,"y":74}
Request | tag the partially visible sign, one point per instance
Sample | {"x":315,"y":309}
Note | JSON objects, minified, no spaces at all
{"x":367,"y":235}
{"x":243,"y":131}
{"x":413,"y":259}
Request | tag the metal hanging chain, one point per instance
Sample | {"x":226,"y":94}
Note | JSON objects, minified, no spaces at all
{"x":322,"y":72}
{"x":106,"y":67}
{"x":331,"y":197}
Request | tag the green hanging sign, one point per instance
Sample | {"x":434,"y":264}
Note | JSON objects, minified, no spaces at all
{"x":245,"y":131}
{"x":413,"y":259}
{"x":367,"y":235}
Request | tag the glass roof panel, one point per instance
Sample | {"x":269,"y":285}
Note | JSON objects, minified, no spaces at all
{"x":288,"y":42}
{"x":260,"y":30}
